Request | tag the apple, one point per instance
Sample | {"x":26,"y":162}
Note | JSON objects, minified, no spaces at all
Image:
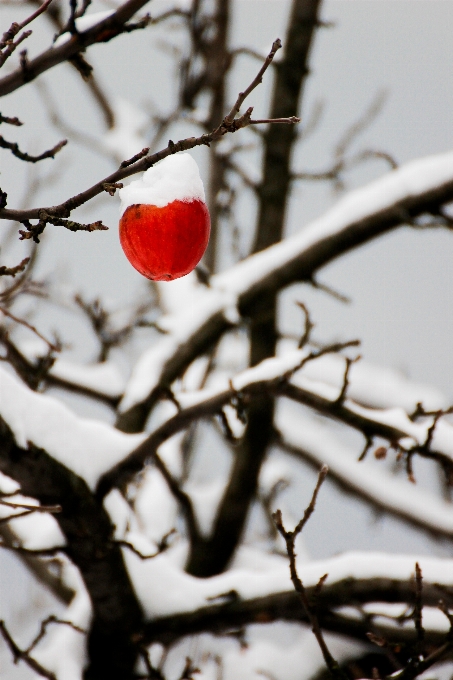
{"x":164,"y":221}
{"x":165,"y":242}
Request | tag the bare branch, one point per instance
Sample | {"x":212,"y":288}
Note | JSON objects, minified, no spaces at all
{"x":14,"y":29}
{"x":228,"y":120}
{"x":32,"y":552}
{"x":11,"y":47}
{"x":21,"y":655}
{"x":12,"y":271}
{"x":162,"y":546}
{"x":342,"y":396}
{"x":291,"y":120}
{"x":131,"y":167}
{"x":14,"y":148}
{"x":290,"y":538}
{"x":11,"y":121}
{"x":308,"y":325}
{"x":8,"y":44}
{"x":43,"y":630}
{"x":34,"y":231}
{"x":138,"y":156}
{"x":105,"y":30}
{"x":52,"y":346}
{"x":53,"y":509}
{"x":418,"y":606}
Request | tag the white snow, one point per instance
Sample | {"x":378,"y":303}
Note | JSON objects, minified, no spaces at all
{"x":164,"y":589}
{"x":36,"y":531}
{"x":174,"y":178}
{"x":433,"y":618}
{"x":269,"y":370}
{"x":272,"y":472}
{"x":400,"y":392}
{"x":104,"y":378}
{"x":84,"y":24}
{"x":176,"y":295}
{"x":8,"y":485}
{"x":87,"y":447}
{"x":287,"y":651}
{"x":179,"y":329}
{"x":155,"y":508}
{"x":416,"y":177}
{"x":205,"y":497}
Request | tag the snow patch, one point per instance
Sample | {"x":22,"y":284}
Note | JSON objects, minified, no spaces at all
{"x":175,"y":178}
{"x":87,"y":447}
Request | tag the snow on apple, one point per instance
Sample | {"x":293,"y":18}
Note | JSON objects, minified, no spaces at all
{"x":165,"y":225}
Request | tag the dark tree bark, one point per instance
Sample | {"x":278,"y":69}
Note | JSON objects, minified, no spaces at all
{"x":117,"y":616}
{"x":213,"y":555}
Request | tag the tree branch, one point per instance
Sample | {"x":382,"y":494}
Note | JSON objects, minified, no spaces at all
{"x":14,"y":148}
{"x":219,"y":617}
{"x":63,"y":210}
{"x":290,"y":539}
{"x":12,"y":271}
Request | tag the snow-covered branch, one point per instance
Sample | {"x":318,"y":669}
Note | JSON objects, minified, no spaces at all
{"x":358,"y":578}
{"x":304,"y":438}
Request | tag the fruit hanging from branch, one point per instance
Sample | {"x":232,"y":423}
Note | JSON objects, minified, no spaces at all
{"x":165,"y":225}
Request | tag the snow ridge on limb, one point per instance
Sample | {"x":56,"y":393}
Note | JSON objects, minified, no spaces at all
{"x":87,"y":447}
{"x":285,"y":376}
{"x":365,"y":577}
{"x":397,"y":198}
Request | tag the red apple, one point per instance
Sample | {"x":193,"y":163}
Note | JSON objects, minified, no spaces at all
{"x":165,"y":243}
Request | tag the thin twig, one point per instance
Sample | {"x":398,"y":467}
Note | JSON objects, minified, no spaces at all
{"x":12,"y":271}
{"x":162,"y":546}
{"x":53,"y":509}
{"x":308,"y":325}
{"x":43,"y":629}
{"x":21,"y":655}
{"x":290,"y":538}
{"x":15,"y":27}
{"x":257,"y":81}
{"x":14,"y":148}
{"x":344,"y":388}
{"x":6,"y":312}
{"x":11,"y":121}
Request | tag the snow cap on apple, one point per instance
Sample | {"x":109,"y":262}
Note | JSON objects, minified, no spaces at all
{"x":175,"y":178}
{"x":164,"y":225}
